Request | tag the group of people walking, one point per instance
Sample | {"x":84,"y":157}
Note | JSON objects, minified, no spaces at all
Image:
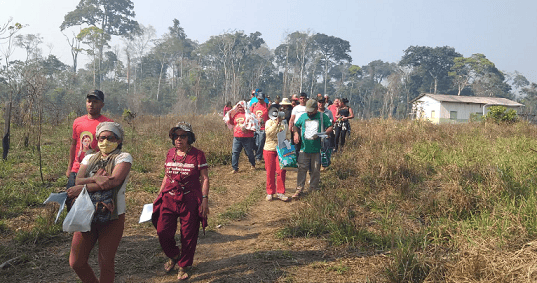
{"x":98,"y":165}
{"x":313,"y":125}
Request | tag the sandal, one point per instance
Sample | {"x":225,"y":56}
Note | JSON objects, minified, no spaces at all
{"x":170,"y":265}
{"x":182,"y":275}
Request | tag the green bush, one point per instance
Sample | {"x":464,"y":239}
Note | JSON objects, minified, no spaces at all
{"x":501,"y":114}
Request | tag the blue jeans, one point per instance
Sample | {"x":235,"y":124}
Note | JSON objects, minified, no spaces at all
{"x":260,"y":143}
{"x":238,"y":144}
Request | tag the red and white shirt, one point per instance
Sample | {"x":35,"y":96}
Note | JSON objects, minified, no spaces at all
{"x":84,"y":134}
{"x":238,"y":123}
{"x":261,"y":113}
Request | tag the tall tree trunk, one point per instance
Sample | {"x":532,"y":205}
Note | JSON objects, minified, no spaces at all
{"x":435,"y":81}
{"x":99,"y":71}
{"x":128,"y":73}
{"x":285,"y":91}
{"x":159,"y":78}
{"x":181,"y":70}
{"x":94,"y":74}
{"x":5,"y":139}
{"x":325,"y":73}
{"x":40,"y":121}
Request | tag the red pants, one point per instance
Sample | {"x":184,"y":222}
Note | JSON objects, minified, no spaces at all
{"x":187,"y":210}
{"x":272,"y":166}
{"x":109,"y":236}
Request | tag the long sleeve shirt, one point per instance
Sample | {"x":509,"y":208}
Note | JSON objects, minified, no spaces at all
{"x":272,"y":128}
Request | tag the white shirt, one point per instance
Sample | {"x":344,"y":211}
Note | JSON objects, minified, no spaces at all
{"x":298,"y":111}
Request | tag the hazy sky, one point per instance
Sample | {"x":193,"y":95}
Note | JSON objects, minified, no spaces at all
{"x":504,"y":31}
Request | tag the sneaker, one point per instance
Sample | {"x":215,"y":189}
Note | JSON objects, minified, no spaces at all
{"x":297,"y":193}
{"x":268,"y":198}
{"x":234,"y":171}
{"x":282,"y":197}
{"x":252,"y":167}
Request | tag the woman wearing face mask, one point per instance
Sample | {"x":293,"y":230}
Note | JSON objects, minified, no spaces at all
{"x":183,"y":195}
{"x":102,"y":172}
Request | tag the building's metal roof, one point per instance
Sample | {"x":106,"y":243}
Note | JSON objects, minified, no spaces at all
{"x":470,"y":99}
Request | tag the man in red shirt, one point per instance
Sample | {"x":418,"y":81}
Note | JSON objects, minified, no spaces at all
{"x":242,"y":137}
{"x":83,"y":139}
{"x":260,"y":110}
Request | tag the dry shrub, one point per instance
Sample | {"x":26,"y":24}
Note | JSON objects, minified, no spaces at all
{"x":483,"y":262}
{"x":461,"y":192}
{"x":212,"y":136}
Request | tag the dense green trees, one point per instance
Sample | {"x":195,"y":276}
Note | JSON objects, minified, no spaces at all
{"x":104,"y":18}
{"x":433,"y":65}
{"x":481,"y":75}
{"x":172,"y":73}
{"x":330,"y":52}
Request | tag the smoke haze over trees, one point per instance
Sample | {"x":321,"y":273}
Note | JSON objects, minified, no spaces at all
{"x":148,"y":74}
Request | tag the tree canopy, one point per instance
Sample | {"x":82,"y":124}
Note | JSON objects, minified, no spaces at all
{"x":173,"y":73}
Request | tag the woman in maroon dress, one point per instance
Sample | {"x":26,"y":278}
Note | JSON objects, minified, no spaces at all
{"x":183,"y":195}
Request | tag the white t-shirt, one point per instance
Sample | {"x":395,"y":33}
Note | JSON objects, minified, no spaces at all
{"x":122,"y":157}
{"x":298,"y":111}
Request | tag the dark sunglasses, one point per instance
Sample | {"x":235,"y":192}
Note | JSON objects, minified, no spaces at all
{"x":184,"y":136}
{"x":109,"y":138}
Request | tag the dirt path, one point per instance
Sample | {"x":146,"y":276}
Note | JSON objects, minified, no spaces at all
{"x":246,"y":250}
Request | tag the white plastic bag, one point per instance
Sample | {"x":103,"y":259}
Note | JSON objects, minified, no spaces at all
{"x":147,"y":213}
{"x":80,"y":215}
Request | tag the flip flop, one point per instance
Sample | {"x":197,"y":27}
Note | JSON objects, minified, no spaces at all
{"x":170,"y":264}
{"x":182,"y":274}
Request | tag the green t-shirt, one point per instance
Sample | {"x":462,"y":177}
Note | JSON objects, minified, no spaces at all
{"x":308,"y":127}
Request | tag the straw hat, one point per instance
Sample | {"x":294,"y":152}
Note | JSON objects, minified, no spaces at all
{"x":285,"y":101}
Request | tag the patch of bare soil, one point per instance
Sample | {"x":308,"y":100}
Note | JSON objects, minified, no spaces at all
{"x":245,"y":250}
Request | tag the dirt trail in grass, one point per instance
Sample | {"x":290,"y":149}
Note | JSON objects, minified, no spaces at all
{"x":245,"y":250}
{"x":248,"y":250}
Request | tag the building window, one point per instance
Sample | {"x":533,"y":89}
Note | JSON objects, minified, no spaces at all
{"x":433,"y":114}
{"x":452,"y":115}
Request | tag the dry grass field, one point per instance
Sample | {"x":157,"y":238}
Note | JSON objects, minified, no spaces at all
{"x":405,"y":201}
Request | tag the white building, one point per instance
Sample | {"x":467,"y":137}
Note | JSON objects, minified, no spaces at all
{"x":443,"y":108}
